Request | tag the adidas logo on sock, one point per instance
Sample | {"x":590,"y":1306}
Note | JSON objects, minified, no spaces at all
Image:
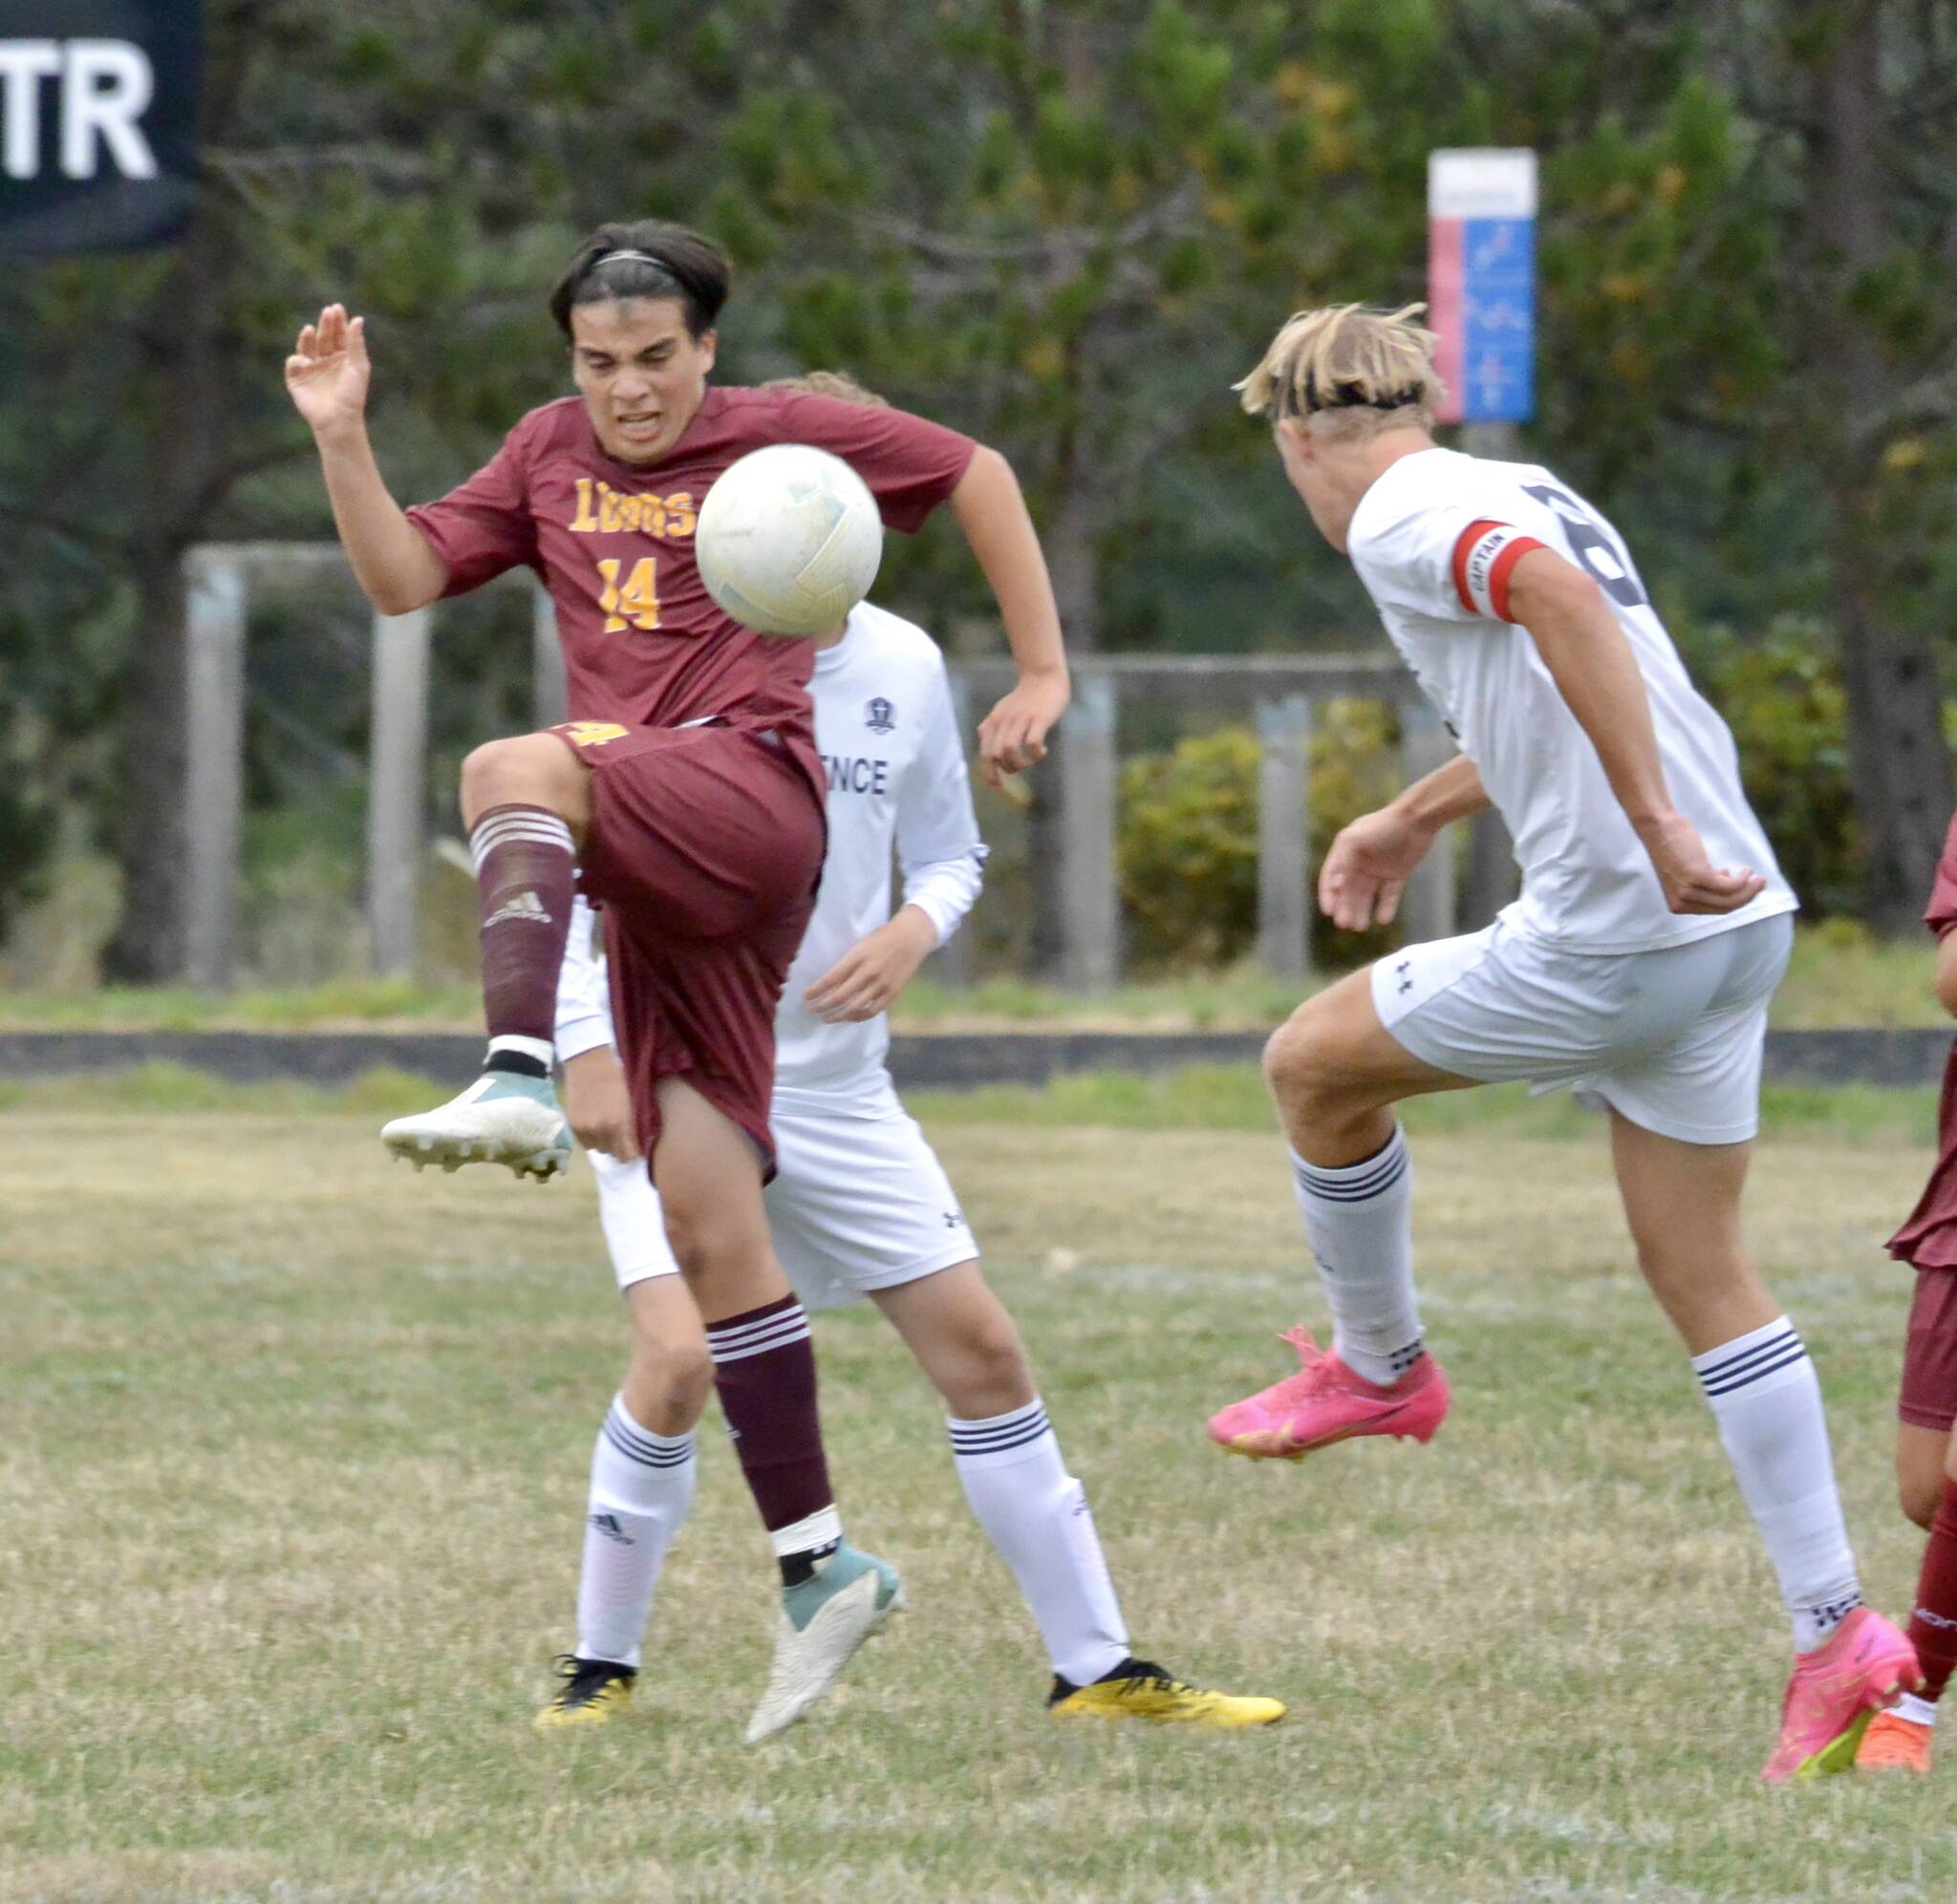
{"x":608,"y":1526}
{"x":525,"y":906}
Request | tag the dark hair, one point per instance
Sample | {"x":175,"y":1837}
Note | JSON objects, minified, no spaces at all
{"x":661,"y":261}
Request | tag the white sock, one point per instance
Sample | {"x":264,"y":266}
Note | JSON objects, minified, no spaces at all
{"x":641,"y":1488}
{"x":1036,"y":1513}
{"x":1359,"y":1220}
{"x":1918,"y":1710}
{"x":1767,"y":1401}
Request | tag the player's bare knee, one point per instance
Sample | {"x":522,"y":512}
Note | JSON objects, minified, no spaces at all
{"x":667,"y":1385}
{"x":1303,"y":1070}
{"x":993,"y":1374}
{"x":709,"y":1246}
{"x":486,"y":776}
{"x":529,"y":769}
{"x":693,"y":1236}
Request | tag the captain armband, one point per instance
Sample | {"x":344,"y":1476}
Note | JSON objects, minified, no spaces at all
{"x":1485,"y":556}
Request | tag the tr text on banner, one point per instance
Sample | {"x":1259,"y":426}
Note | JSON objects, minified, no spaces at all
{"x":98,"y":122}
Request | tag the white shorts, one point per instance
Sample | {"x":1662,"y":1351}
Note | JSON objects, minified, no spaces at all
{"x":859,"y":1202}
{"x":1671,"y":1038}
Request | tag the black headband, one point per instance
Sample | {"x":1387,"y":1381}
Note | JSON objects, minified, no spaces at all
{"x":1342,"y":396}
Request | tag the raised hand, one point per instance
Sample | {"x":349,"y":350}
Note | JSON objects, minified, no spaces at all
{"x":1366,"y":869}
{"x":328,"y":371}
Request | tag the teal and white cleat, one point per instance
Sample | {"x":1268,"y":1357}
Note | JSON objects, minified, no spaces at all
{"x":503,"y":1118}
{"x":824,"y":1621}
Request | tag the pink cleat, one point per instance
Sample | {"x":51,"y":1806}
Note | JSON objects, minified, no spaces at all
{"x":1325,"y":1403}
{"x":1833,"y":1693}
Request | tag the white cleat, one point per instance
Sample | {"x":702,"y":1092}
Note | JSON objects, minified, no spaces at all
{"x":824,"y":1621}
{"x":503,"y":1118}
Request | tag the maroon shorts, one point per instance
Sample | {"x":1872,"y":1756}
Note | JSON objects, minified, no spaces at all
{"x":1930,"y":1358}
{"x":705,"y":850}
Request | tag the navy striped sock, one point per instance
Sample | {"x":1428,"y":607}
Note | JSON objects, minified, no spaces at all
{"x":1767,"y":1400}
{"x":1359,"y":1220}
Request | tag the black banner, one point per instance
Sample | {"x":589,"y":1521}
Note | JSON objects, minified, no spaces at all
{"x":98,"y":122}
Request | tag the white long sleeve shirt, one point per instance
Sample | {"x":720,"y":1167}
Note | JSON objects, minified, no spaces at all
{"x":895,"y":763}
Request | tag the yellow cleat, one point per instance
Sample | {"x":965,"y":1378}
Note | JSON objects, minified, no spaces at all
{"x":595,"y":1693}
{"x":1139,"y":1689}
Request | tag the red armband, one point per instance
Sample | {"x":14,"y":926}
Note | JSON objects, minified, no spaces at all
{"x":1484,"y":555}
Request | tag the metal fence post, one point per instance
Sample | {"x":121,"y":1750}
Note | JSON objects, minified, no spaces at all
{"x":213,"y":779}
{"x":548,"y":692}
{"x":398,"y":766}
{"x":1427,"y":908}
{"x":1090,"y":950}
{"x":1284,"y":835}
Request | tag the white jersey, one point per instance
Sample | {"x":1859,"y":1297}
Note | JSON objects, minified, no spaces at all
{"x":1434,"y":540}
{"x":896,"y":763}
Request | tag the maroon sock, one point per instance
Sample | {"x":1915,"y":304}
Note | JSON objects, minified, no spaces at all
{"x":765,"y":1373}
{"x":526,"y":871}
{"x":1933,"y":1620}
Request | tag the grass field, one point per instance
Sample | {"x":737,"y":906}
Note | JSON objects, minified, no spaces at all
{"x":1840,"y":976}
{"x":292,"y":1457}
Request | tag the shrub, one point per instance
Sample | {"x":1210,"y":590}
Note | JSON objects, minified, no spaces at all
{"x":1188,"y":844}
{"x":1784,"y":701}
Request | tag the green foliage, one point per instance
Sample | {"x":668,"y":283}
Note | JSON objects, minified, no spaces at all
{"x":1187,"y":850}
{"x":1065,"y":226}
{"x":1784,"y":701}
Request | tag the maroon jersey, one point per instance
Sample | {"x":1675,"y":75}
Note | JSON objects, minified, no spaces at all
{"x":1929,"y":1238}
{"x":643,"y":643}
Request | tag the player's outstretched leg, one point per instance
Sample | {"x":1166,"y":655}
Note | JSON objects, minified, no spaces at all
{"x":1899,"y":1741}
{"x":1036,"y":1513}
{"x":1927,"y":1482}
{"x":833,"y":1596}
{"x":1682,"y":1201}
{"x":1334,"y":1073}
{"x":516,"y":794}
{"x":643,"y":1472}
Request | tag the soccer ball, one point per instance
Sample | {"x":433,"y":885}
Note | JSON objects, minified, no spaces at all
{"x":789,"y":540}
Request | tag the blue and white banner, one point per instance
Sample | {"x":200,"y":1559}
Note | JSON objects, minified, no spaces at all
{"x":99,"y":103}
{"x":1481,"y":281}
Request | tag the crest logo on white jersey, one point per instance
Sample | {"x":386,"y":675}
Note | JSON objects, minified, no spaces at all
{"x":880,"y":716}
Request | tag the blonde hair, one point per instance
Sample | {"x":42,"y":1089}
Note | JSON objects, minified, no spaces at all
{"x":839,"y":384}
{"x":1347,"y":370}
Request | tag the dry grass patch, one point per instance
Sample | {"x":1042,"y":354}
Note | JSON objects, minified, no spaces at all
{"x":292,"y":1454}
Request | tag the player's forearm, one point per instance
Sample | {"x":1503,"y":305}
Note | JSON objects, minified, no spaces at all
{"x":584,"y":1016}
{"x":918,"y":929}
{"x":1449,"y":793}
{"x":993,"y":514}
{"x":391,"y":563}
{"x":1591,"y":662}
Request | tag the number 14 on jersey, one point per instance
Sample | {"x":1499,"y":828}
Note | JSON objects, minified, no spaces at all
{"x":635,"y":602}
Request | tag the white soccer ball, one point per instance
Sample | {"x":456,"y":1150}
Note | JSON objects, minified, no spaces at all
{"x":789,"y":540}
